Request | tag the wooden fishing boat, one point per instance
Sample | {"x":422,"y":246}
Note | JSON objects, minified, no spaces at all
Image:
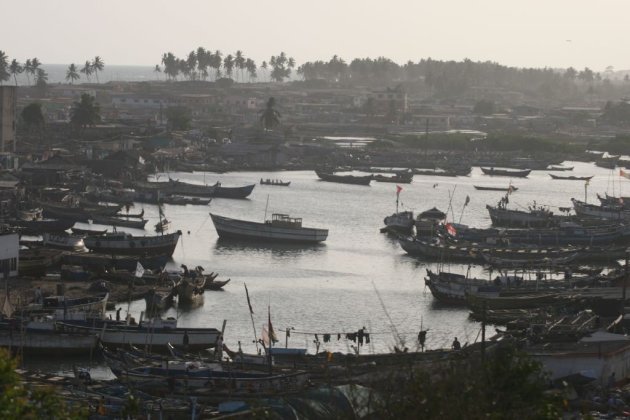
{"x":117,"y":221}
{"x":93,"y":305}
{"x":535,"y":217}
{"x":37,"y":227}
{"x":154,"y":333}
{"x":280,"y":228}
{"x":99,"y":261}
{"x":559,"y":168}
{"x":215,"y":285}
{"x":274,"y":182}
{"x":183,"y":200}
{"x":126,"y":244}
{"x":232,"y":192}
{"x":571,"y":178}
{"x":88,"y":232}
{"x":60,"y":211}
{"x":63,"y":241}
{"x":35,"y":340}
{"x":344,"y":179}
{"x":504,"y":189}
{"x":131,"y":215}
{"x":613,"y":212}
{"x":400,"y":178}
{"x":530,"y":262}
{"x":506,"y":172}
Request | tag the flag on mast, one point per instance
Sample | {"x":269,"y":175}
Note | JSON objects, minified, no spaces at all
{"x":139,"y":270}
{"x":249,"y":303}
{"x":398,"y":189}
{"x":271,"y":332}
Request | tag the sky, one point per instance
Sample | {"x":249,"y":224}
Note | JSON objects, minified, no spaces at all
{"x":532,"y":33}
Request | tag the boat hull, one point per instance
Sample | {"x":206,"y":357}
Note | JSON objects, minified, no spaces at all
{"x":241,"y":229}
{"x":136,"y":245}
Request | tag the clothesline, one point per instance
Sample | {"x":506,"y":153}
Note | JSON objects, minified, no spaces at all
{"x":349,"y":332}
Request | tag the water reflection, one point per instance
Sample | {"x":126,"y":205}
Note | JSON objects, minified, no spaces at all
{"x":277,"y":249}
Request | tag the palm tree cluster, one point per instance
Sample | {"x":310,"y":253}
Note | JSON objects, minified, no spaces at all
{"x":85,"y":112}
{"x":199,"y":64}
{"x":31,"y":68}
{"x":89,"y":68}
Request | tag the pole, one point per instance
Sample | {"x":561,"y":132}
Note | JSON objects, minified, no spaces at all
{"x":483,"y":334}
{"x":625,"y":284}
{"x":266,"y":205}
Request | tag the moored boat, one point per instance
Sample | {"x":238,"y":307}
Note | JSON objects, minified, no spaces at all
{"x":571,"y":178}
{"x":506,"y":172}
{"x":126,"y":244}
{"x":280,"y":228}
{"x":344,"y":179}
{"x":487,"y":188}
{"x":63,"y":241}
{"x":399,"y":178}
{"x":274,"y":182}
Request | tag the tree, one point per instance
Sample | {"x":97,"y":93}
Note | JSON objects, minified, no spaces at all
{"x":484,"y":107}
{"x":28,"y":68}
{"x":263,"y":66}
{"x":270,"y":118}
{"x":35,"y":63}
{"x":86,"y":112}
{"x":191,"y":65}
{"x":97,"y":65}
{"x":15,"y":68}
{"x":72,"y":73}
{"x":41,"y":79}
{"x":19,"y":402}
{"x":228,"y":64}
{"x":239,"y":61}
{"x":179,"y":117}
{"x":215,"y":63}
{"x":250,"y":65}
{"x":32,"y":116}
{"x":87,"y":70}
{"x":157,"y":70}
{"x":4,"y":67}
{"x":571,"y":73}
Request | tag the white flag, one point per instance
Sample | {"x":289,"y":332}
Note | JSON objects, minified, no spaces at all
{"x":139,"y":270}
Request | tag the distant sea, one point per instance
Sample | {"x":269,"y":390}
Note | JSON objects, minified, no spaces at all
{"x":57,"y":74}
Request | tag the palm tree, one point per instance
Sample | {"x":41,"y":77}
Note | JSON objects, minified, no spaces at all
{"x":215,"y":63}
{"x":270,"y":118}
{"x":86,"y":112}
{"x":72,"y":74}
{"x":264,"y":67}
{"x":250,"y":65}
{"x":87,"y":70}
{"x":157,"y":70}
{"x":228,"y":63}
{"x":15,"y":68}
{"x":97,"y":65}
{"x":203,"y":61}
{"x":239,"y":61}
{"x":28,"y":69}
{"x":191,"y":65}
{"x":4,"y":67}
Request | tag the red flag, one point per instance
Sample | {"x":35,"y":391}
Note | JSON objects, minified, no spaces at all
{"x":451,"y":229}
{"x":271,"y":332}
{"x":251,"y":311}
{"x":398,"y":189}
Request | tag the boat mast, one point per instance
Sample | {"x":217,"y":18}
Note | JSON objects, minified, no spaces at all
{"x":266,"y":206}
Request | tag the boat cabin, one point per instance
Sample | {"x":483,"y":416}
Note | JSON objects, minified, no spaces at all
{"x":283,"y":220}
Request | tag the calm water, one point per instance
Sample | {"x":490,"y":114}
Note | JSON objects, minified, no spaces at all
{"x":335,"y":287}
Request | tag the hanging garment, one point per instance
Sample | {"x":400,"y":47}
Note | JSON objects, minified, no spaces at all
{"x":326,"y":338}
{"x":360,"y":335}
{"x":367,"y":338}
{"x":338,"y":336}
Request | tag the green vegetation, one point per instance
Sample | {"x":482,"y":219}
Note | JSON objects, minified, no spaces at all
{"x":270,"y":118}
{"x":4,"y":67}
{"x":18,"y":401}
{"x":32,"y":116}
{"x":617,"y":113}
{"x":86,"y":112}
{"x":620,"y":145}
{"x":179,"y":117}
{"x":484,"y":107}
{"x":509,"y":385}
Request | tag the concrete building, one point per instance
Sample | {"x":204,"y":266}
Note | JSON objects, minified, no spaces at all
{"x":8,"y":118}
{"x":9,"y":253}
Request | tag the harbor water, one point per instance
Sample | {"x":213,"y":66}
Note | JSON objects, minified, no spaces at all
{"x":359,"y":277}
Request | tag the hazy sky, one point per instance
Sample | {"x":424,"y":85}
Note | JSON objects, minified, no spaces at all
{"x":534,"y":33}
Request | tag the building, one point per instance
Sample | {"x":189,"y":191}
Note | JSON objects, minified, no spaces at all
{"x":9,"y":253}
{"x":8,"y":118}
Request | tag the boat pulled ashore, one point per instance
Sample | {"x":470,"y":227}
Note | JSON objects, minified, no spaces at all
{"x":156,"y":333}
{"x":344,"y":179}
{"x":122,"y":243}
{"x":281,"y":228}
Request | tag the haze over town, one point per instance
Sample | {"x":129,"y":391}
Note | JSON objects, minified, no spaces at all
{"x":535,"y":33}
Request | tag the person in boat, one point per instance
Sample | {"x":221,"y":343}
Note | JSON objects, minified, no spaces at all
{"x":422,"y":338}
{"x":456,"y":344}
